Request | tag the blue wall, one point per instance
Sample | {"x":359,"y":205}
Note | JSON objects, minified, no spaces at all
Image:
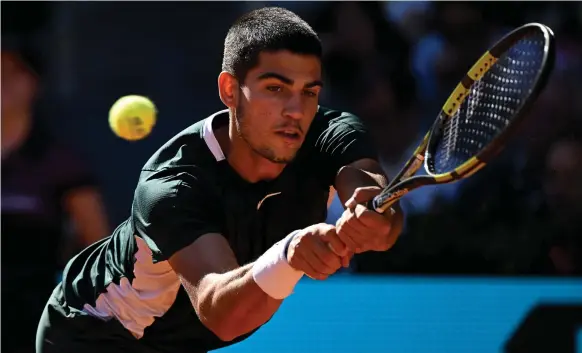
{"x":404,"y":314}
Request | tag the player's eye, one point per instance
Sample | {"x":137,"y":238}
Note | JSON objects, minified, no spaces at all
{"x":275,"y":88}
{"x":309,"y":93}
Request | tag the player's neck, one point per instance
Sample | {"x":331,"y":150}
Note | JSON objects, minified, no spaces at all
{"x":251,"y":166}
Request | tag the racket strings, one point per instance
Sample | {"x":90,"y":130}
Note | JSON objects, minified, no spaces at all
{"x":492,"y":103}
{"x":452,"y":127}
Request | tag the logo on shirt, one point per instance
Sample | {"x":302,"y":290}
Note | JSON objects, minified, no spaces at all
{"x":266,"y":197}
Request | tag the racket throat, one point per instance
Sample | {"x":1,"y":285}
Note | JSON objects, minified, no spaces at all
{"x":415,"y":166}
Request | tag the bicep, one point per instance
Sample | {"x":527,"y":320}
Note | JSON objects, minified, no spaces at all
{"x":208,"y":254}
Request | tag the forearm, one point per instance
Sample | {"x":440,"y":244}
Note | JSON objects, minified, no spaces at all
{"x":232,"y":304}
{"x":366,"y":173}
{"x":238,"y":301}
{"x":358,"y":175}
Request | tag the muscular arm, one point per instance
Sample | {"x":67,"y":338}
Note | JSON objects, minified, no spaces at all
{"x":180,"y":217}
{"x":346,"y":158}
{"x":362,"y":173}
{"x":224,"y":295}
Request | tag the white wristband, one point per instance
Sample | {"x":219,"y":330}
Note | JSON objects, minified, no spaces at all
{"x":272,"y":272}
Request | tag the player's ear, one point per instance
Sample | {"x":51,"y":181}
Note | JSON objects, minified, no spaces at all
{"x":228,"y":89}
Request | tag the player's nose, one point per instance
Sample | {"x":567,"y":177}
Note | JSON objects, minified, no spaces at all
{"x":294,"y":108}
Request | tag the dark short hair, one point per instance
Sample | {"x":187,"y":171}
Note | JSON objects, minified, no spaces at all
{"x":267,"y":29}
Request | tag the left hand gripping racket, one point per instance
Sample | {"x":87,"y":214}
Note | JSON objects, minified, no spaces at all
{"x":481,"y":115}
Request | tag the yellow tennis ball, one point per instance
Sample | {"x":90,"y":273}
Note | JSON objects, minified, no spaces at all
{"x":132,"y":117}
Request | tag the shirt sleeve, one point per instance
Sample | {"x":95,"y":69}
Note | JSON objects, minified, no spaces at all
{"x":171,"y":211}
{"x":344,"y":140}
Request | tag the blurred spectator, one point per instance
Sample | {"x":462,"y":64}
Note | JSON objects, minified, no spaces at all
{"x":364,"y":51}
{"x":410,"y":16}
{"x":458,"y":35}
{"x":562,"y":186}
{"x":44,"y":184}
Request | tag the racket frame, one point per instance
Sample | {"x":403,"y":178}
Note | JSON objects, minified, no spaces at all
{"x":404,"y":182}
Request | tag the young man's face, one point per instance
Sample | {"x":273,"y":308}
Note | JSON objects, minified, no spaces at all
{"x":277,"y":103}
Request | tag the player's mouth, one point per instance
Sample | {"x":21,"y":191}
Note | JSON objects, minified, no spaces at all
{"x":289,"y":135}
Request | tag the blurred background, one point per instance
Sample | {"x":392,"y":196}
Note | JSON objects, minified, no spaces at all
{"x":67,"y":180}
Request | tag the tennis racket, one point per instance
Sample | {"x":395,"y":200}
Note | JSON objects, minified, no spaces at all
{"x":481,"y":115}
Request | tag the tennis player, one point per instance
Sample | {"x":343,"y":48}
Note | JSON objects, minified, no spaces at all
{"x":226,"y":216}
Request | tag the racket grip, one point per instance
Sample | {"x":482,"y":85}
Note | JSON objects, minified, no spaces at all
{"x":377,"y":205}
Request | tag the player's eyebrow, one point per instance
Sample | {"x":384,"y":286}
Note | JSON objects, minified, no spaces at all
{"x":287,"y":80}
{"x":314,"y":84}
{"x":268,"y":75}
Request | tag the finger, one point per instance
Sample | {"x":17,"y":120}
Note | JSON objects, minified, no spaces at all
{"x":390,"y":241}
{"x":319,"y":277}
{"x":348,"y":243}
{"x":305,"y":266}
{"x":362,"y":195}
{"x":309,"y":255}
{"x":359,"y":236}
{"x":367,"y":219}
{"x":346,"y":259}
{"x":326,"y":261}
{"x":351,"y":218}
{"x":345,"y":234}
{"x":345,"y":262}
{"x":351,"y":203}
{"x":356,"y":230}
{"x":335,"y":243}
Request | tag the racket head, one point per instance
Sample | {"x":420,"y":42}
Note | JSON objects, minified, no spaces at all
{"x":489,"y":66}
{"x":487,"y":107}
